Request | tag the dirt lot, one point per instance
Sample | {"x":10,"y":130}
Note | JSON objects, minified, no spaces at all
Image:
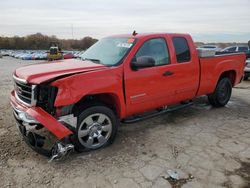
{"x":207,"y":147}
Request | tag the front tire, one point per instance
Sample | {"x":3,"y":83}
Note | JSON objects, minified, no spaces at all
{"x":96,"y":128}
{"x":222,"y":93}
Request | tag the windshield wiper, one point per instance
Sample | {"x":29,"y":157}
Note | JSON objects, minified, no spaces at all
{"x":98,"y":61}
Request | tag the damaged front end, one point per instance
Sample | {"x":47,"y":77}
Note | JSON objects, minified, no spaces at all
{"x":31,"y":107}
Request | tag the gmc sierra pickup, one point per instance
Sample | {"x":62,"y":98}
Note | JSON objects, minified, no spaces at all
{"x":122,"y":78}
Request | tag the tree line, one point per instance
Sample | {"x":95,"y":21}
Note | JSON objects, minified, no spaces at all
{"x":39,"y":41}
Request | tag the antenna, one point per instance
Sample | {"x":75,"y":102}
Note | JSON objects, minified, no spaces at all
{"x":134,"y":33}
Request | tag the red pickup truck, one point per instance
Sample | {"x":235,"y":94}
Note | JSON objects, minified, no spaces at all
{"x":122,"y":78}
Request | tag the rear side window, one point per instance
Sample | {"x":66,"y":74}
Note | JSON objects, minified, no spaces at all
{"x":181,"y":49}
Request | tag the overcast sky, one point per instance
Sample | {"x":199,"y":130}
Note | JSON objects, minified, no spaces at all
{"x":206,"y":20}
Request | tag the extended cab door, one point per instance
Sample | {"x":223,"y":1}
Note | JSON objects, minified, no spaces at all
{"x":151,"y":87}
{"x":186,"y":67}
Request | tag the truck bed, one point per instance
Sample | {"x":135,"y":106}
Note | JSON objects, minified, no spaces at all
{"x":212,"y":67}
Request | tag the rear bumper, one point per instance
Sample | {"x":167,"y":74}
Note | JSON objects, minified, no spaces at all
{"x":30,"y":119}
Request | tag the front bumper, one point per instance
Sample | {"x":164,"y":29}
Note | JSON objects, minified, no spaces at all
{"x":31,"y":119}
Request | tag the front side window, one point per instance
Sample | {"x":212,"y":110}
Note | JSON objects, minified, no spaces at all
{"x":108,"y":51}
{"x":157,"y":49}
{"x":181,"y":49}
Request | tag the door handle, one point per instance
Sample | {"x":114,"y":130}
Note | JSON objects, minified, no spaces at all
{"x":168,"y":73}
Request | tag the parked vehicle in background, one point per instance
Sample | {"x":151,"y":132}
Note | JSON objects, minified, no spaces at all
{"x":76,"y":54}
{"x":210,"y":47}
{"x":80,"y":54}
{"x":247,"y":70}
{"x":54,"y":53}
{"x":248,"y":54}
{"x":36,"y":54}
{"x":68,"y":55}
{"x":235,"y":49}
{"x":120,"y":78}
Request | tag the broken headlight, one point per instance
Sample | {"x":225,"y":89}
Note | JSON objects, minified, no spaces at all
{"x":46,"y":96}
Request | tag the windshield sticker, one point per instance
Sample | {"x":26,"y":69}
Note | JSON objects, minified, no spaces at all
{"x":124,"y":45}
{"x":131,"y":40}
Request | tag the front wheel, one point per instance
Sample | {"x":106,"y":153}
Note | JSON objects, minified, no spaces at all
{"x":222,"y":93}
{"x":96,"y":128}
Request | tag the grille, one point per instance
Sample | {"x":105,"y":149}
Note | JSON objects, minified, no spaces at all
{"x":24,"y":91}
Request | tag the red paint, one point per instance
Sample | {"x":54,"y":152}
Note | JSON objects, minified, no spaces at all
{"x":68,"y":56}
{"x":133,"y":92}
{"x":48,"y":121}
{"x":39,"y":73}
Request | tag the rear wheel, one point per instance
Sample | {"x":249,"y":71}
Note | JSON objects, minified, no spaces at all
{"x":97,"y":127}
{"x":245,"y":78}
{"x":222,"y":93}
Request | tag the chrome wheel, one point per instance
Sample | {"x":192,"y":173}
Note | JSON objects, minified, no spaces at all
{"x":95,"y":130}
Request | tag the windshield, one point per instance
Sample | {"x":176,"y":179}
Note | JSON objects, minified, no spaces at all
{"x":108,"y":51}
{"x":53,"y":50}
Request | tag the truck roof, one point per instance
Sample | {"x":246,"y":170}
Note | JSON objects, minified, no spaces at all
{"x":140,"y":35}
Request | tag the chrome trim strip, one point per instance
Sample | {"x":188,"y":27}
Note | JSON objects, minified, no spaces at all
{"x":20,"y":79}
{"x":21,"y":101}
{"x":21,"y":115}
{"x":33,"y":87}
{"x":139,"y":95}
{"x":69,"y":119}
{"x":33,"y":99}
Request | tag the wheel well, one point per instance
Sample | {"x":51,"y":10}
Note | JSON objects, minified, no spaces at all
{"x":107,"y":99}
{"x":231,"y":75}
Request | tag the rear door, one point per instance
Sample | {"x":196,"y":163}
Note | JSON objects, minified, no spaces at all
{"x":186,"y":67}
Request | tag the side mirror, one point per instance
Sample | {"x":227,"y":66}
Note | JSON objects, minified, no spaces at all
{"x":142,"y":62}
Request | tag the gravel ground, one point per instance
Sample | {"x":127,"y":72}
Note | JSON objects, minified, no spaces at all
{"x":207,"y":147}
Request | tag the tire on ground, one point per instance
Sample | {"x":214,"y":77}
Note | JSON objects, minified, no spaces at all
{"x":91,"y":110}
{"x":222,"y":93}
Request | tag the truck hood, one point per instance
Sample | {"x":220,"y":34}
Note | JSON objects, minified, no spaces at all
{"x":42,"y":72}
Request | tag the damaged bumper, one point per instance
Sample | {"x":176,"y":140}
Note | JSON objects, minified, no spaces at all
{"x":31,"y":119}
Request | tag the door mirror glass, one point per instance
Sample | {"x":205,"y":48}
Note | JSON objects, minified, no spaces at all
{"x":142,"y":62}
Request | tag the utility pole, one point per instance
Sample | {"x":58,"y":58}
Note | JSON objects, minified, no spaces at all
{"x":72,"y":33}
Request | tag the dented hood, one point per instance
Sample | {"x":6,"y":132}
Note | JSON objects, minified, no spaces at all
{"x":38,"y":73}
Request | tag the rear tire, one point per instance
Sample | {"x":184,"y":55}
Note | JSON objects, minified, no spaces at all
{"x":96,"y":128}
{"x":222,"y":93}
{"x":245,"y":78}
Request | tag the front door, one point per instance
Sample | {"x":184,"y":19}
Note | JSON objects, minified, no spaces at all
{"x":151,"y":87}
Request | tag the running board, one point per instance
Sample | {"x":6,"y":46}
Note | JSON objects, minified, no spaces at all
{"x":147,"y":116}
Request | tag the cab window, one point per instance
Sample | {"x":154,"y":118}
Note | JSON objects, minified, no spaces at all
{"x":157,"y":49}
{"x":181,"y":49}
